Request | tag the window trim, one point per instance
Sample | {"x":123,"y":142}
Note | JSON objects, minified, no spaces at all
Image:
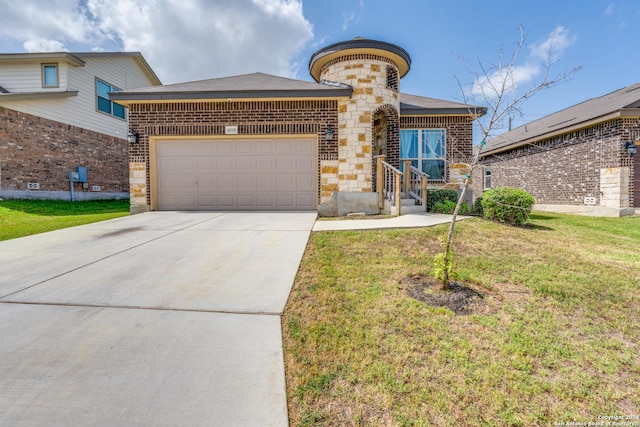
{"x":445,"y":172}
{"x":43,"y":67}
{"x":98,"y":97}
{"x":486,"y":175}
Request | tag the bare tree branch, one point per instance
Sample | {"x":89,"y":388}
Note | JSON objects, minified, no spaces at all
{"x":499,"y":90}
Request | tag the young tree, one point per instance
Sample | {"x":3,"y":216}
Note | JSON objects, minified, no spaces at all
{"x":497,"y":88}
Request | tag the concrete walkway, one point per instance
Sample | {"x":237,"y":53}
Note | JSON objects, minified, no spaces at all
{"x":404,"y":221}
{"x":162,"y":318}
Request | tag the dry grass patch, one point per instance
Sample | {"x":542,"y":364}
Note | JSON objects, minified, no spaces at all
{"x":555,"y":339}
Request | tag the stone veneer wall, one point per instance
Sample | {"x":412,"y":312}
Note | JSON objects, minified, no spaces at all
{"x":38,"y":150}
{"x":566,"y":169}
{"x":286,"y":117}
{"x":367,"y":74}
{"x":459,"y":141}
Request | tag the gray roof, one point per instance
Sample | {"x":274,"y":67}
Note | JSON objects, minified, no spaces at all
{"x":359,"y":44}
{"x":421,"y":105}
{"x":625,"y":101}
{"x":256,"y":85}
{"x":77,"y":59}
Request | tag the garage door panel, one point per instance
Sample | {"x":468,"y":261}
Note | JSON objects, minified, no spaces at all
{"x":246,"y":183}
{"x":305,"y":183}
{"x":305,"y":165}
{"x":225,"y":165}
{"x":246,"y":165}
{"x":265,"y":165}
{"x":306,"y":146}
{"x":237,"y":174}
{"x":305,"y":201}
{"x":248,"y":148}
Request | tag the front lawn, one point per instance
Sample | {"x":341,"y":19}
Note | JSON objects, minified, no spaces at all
{"x":556,"y":340}
{"x":20,"y":218}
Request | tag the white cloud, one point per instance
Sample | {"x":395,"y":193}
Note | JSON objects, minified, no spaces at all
{"x":609,"y":10}
{"x":346,"y":19}
{"x":44,"y":45}
{"x":504,"y":80}
{"x":554,"y":45}
{"x":501,"y":81}
{"x":182,"y":40}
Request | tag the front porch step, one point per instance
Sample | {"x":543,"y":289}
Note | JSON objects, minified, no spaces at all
{"x":408,"y":207}
{"x":412,"y":209}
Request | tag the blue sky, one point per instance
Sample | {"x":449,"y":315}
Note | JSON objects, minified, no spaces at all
{"x":187,"y":40}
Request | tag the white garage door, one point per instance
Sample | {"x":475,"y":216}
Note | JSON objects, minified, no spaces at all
{"x":237,"y":174}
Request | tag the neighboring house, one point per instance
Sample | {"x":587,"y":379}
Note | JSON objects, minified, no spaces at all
{"x":578,"y":160}
{"x":260,"y":142}
{"x":56,"y":116}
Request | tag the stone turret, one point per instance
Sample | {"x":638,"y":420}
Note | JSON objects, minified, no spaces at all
{"x":369,"y":119}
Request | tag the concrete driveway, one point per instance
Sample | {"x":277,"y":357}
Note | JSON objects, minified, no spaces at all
{"x":162,"y":318}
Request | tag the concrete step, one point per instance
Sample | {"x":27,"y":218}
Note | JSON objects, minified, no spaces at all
{"x":412,"y":209}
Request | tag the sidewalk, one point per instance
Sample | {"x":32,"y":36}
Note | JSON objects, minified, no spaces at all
{"x":414,"y":220}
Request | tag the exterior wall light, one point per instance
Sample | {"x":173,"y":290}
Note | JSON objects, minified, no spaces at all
{"x":631,"y":148}
{"x":133,"y":137}
{"x":329,"y":134}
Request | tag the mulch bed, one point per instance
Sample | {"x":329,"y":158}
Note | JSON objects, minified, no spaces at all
{"x":461,"y":299}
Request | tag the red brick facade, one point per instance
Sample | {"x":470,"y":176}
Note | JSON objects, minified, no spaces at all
{"x":564,"y":170}
{"x":287,"y":117}
{"x":38,"y":150}
{"x":459,"y":137}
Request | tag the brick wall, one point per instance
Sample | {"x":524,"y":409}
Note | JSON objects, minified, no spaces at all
{"x":252,"y":118}
{"x":565,"y":169}
{"x":38,"y":150}
{"x":459,"y":139}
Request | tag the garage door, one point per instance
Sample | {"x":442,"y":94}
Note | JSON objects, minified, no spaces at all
{"x":237,"y":174}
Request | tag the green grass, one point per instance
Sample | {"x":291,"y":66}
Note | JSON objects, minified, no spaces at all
{"x":559,"y":340}
{"x":20,"y":218}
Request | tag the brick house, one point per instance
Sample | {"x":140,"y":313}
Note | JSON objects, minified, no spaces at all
{"x":576,"y":160}
{"x":56,"y":116}
{"x":258,"y":141}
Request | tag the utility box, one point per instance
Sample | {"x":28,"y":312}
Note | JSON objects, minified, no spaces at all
{"x":82,"y":174}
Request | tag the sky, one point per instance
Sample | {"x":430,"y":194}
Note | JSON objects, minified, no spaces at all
{"x":450,"y":42}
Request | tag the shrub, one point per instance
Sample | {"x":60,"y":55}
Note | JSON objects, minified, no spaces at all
{"x":444,"y":207}
{"x":447,"y":207}
{"x":436,"y":196}
{"x":477,"y":207}
{"x":508,"y":205}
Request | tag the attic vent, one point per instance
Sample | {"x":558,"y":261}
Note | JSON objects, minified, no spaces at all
{"x":631,"y":90}
{"x":563,"y":122}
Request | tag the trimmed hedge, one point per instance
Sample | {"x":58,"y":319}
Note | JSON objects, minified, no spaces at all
{"x":440,"y":196}
{"x":507,"y":205}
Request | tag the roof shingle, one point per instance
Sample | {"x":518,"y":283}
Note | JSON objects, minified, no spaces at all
{"x":567,"y":119}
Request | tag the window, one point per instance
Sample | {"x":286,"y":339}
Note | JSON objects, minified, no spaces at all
{"x":392,"y":79}
{"x":487,"y":177}
{"x":103,"y":103}
{"x":50,"y":75}
{"x":426,"y":150}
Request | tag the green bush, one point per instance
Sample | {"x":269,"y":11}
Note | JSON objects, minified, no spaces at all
{"x":477,"y":207}
{"x":440,"y":196}
{"x":445,"y":207}
{"x":508,"y":205}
